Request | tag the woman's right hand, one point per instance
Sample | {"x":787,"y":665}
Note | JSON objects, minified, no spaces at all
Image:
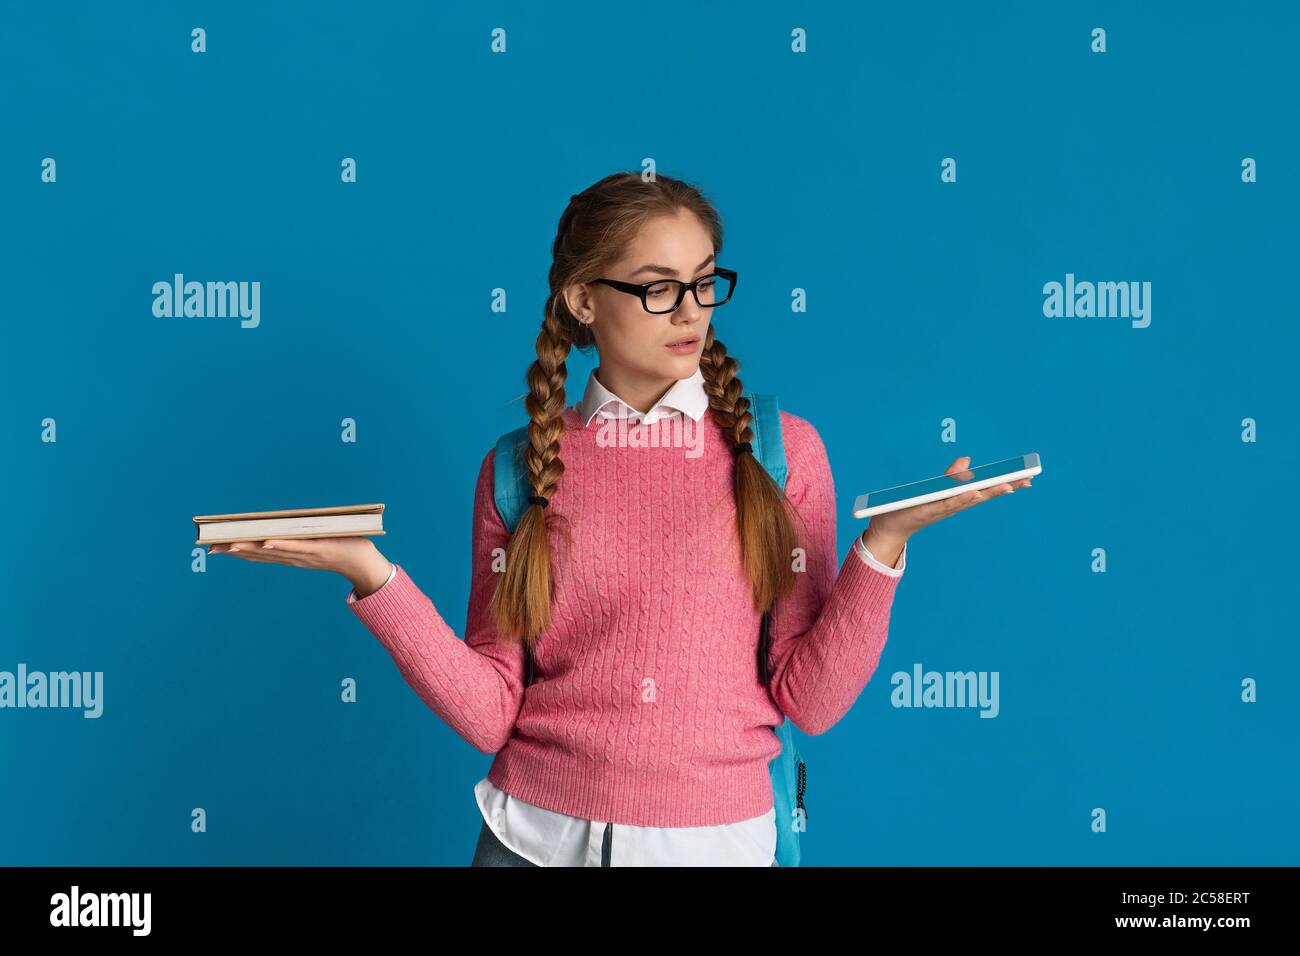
{"x":356,"y":558}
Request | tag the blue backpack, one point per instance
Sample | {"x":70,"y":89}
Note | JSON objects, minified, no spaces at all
{"x":789,"y":777}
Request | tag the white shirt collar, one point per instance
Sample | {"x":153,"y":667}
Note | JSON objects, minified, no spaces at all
{"x":686,"y":396}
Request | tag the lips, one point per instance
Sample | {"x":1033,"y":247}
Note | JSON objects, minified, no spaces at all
{"x":686,"y":341}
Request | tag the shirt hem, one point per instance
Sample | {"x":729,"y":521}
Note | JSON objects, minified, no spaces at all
{"x":732,"y":802}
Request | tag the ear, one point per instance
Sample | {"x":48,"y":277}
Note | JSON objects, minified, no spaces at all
{"x":578,"y":299}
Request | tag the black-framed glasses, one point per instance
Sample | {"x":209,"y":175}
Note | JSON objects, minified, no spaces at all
{"x":665,"y":295}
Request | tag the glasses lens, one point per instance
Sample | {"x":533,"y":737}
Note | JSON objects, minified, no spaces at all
{"x":662,"y":296}
{"x":715,"y":288}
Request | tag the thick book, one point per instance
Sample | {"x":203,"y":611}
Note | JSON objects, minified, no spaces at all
{"x":335,"y":522}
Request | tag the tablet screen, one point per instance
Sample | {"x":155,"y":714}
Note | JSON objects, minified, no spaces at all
{"x":925,"y":486}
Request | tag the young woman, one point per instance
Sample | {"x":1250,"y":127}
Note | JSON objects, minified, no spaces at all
{"x":640,"y":570}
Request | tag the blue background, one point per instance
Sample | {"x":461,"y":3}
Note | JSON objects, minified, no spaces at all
{"x":1118,"y":690}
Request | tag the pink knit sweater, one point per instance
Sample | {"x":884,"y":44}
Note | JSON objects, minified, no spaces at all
{"x":646,"y":707}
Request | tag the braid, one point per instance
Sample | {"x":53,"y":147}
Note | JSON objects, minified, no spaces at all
{"x":767,"y":535}
{"x":521,"y":603}
{"x":725,"y":391}
{"x":545,"y":404}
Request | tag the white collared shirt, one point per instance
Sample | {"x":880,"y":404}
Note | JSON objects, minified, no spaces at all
{"x":550,"y":838}
{"x":686,"y":397}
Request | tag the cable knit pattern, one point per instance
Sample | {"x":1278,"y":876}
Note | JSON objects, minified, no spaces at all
{"x":646,"y":707}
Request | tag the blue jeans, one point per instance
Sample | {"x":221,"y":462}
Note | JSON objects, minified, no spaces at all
{"x":490,"y":851}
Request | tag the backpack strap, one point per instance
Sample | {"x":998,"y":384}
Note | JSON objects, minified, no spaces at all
{"x":511,"y":477}
{"x":787,"y":770}
{"x":769,"y":447}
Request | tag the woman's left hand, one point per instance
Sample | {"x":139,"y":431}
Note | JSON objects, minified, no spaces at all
{"x":889,"y":532}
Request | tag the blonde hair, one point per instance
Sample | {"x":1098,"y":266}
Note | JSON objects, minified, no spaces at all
{"x":594,"y":230}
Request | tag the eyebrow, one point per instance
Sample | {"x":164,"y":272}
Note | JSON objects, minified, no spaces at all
{"x":665,"y":271}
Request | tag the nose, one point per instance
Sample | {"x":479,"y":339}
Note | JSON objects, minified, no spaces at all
{"x":686,"y":318}
{"x":688,"y":310}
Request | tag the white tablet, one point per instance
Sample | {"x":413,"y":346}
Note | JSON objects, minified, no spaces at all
{"x":945,"y":486}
